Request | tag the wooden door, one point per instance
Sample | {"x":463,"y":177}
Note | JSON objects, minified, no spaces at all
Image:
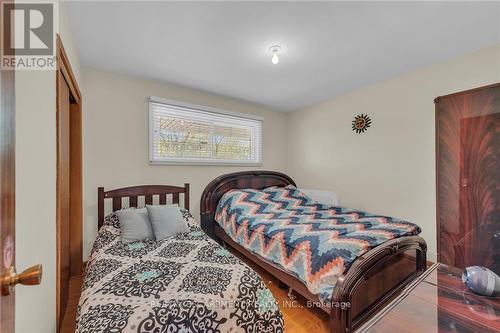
{"x":69,"y":179}
{"x":7,"y":192}
{"x":468,"y":184}
{"x":63,"y":192}
{"x":8,"y":276}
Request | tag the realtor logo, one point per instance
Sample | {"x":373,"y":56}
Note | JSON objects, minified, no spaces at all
{"x":28,"y":35}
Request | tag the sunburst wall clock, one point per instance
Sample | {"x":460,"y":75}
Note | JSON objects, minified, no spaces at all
{"x":361,"y":123}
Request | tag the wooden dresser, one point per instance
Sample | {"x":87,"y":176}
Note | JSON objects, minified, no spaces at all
{"x":438,"y":303}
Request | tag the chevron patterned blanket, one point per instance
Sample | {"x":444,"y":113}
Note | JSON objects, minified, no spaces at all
{"x":315,"y":242}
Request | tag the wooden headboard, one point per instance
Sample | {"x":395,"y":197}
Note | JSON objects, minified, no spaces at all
{"x":134,"y":192}
{"x":238,"y":180}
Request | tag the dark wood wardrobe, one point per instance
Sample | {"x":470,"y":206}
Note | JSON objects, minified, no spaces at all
{"x":468,"y":177}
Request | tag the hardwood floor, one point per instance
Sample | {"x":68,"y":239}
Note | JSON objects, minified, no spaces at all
{"x":298,"y":318}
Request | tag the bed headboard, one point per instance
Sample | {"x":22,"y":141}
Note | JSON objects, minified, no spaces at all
{"x":238,"y":180}
{"x":134,"y":192}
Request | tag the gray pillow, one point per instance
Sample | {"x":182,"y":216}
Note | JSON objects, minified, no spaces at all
{"x":166,"y":220}
{"x":135,"y":225}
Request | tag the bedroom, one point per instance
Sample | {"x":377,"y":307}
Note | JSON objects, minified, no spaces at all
{"x":266,"y":120}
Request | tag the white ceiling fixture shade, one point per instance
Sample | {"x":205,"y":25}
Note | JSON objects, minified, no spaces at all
{"x":275,"y":50}
{"x":330,"y":47}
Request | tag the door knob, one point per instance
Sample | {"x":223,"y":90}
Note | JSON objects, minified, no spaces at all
{"x":29,"y":277}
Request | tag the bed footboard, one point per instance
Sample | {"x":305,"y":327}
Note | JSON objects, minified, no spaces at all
{"x":374,"y":279}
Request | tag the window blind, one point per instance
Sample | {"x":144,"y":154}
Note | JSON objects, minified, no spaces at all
{"x":182,"y":133}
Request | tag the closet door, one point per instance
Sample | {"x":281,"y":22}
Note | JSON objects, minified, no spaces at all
{"x":63,"y":194}
{"x":468,"y":178}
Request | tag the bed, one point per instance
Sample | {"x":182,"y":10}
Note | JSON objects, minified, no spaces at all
{"x":185,"y":283}
{"x":254,"y":211}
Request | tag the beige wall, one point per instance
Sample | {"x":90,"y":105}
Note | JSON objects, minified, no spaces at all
{"x":36,"y":189}
{"x":115,"y":139}
{"x":69,"y":44}
{"x":35,"y":197}
{"x":390,"y":169}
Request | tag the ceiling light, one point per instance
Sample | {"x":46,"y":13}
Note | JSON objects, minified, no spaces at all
{"x":275,"y":49}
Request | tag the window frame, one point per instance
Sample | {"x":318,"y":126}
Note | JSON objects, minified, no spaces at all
{"x":193,"y":108}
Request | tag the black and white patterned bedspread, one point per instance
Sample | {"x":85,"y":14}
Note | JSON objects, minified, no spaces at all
{"x":186,"y":283}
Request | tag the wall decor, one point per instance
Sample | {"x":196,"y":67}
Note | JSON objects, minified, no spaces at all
{"x":361,"y":123}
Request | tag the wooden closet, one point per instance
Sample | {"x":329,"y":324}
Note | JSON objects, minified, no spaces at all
{"x":69,"y":180}
{"x":468,"y":178}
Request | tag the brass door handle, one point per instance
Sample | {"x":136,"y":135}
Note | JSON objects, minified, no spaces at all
{"x":29,"y":277}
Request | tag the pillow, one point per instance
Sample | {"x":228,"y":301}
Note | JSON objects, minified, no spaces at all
{"x":323,"y":197}
{"x":135,"y":225}
{"x":166,"y":220}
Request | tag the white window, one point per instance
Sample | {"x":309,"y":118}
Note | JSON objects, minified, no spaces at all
{"x":191,"y":134}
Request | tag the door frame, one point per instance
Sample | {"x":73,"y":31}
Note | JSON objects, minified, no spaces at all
{"x":65,"y":72}
{"x":8,"y":189}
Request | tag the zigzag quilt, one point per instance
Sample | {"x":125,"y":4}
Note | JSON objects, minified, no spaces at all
{"x":315,"y":242}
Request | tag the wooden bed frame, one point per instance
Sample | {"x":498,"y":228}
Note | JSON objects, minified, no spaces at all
{"x":133,"y":192}
{"x":371,"y":281}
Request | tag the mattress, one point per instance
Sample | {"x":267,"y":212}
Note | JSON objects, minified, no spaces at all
{"x":186,"y":283}
{"x":315,"y":242}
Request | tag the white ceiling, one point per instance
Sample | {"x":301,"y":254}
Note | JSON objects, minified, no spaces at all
{"x":328,"y":47}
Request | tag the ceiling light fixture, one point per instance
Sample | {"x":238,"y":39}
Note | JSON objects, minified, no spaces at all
{"x":275,"y":49}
